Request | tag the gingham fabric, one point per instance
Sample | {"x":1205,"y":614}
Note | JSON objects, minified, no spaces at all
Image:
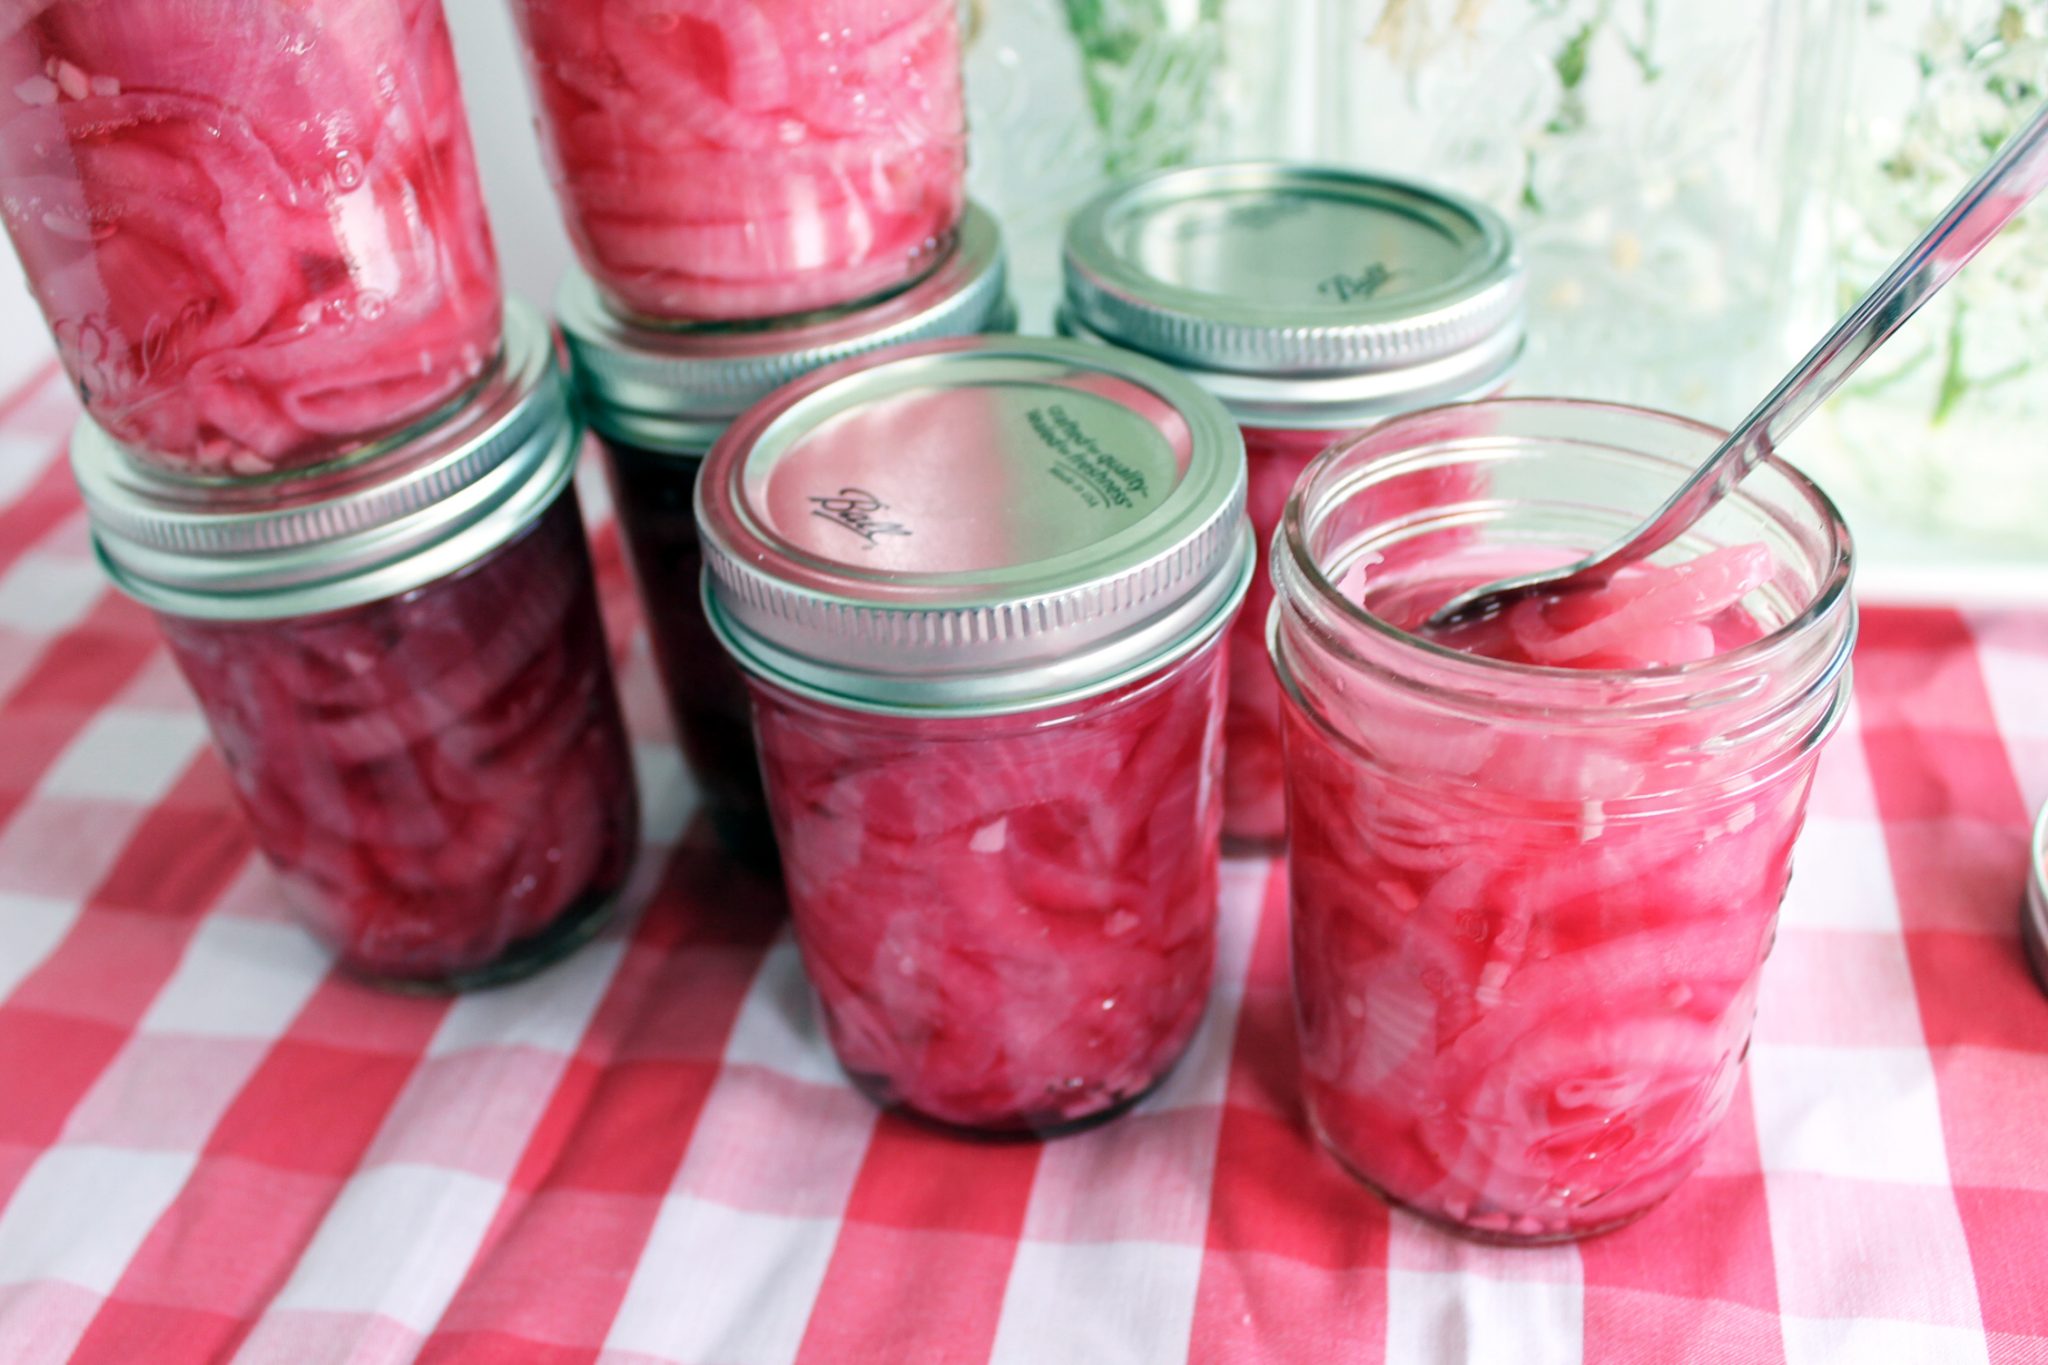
{"x":214,"y":1149}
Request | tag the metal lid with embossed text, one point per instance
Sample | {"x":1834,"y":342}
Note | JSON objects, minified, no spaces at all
{"x":1300,"y":295}
{"x":976,"y":525}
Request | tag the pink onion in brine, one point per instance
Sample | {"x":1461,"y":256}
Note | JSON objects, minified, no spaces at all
{"x":725,"y":159}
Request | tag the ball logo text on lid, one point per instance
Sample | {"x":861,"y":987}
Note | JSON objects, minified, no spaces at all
{"x":1303,"y":251}
{"x":945,"y":479}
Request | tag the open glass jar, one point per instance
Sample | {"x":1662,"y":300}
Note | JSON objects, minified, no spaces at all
{"x":1313,"y":302}
{"x":719,"y":160}
{"x":980,"y":589}
{"x":255,"y":229}
{"x":1530,"y":903}
{"x":404,"y":670}
{"x":658,"y":398}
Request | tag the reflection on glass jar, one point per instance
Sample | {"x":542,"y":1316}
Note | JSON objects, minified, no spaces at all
{"x":255,"y":229}
{"x":1536,"y":863}
{"x":404,"y":671}
{"x":980,"y":588}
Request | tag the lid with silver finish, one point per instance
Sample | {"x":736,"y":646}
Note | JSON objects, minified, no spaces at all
{"x":1300,"y":295}
{"x":675,"y":390}
{"x":2035,"y":921}
{"x":299,"y":544}
{"x":975,"y":525}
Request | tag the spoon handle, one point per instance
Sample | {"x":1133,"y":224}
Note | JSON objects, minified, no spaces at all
{"x":1992,"y":200}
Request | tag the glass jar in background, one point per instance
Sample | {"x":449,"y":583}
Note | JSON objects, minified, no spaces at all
{"x":255,"y":229}
{"x":1938,"y":438}
{"x":657,"y":399}
{"x":1067,"y":96}
{"x":1658,"y":163}
{"x":1530,"y":901}
{"x":719,"y":161}
{"x":1312,"y":301}
{"x":980,"y":589}
{"x":403,"y":668}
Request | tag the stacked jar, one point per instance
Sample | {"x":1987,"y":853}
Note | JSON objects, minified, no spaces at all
{"x":980,"y":588}
{"x":657,"y":398}
{"x":402,"y":664}
{"x":330,"y":460}
{"x":255,"y":229}
{"x":721,"y":161}
{"x":1312,"y":301}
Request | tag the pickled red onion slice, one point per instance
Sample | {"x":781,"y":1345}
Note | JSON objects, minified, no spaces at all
{"x":1645,"y":617}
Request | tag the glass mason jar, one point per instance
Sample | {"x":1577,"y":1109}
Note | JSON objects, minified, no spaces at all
{"x":255,"y":229}
{"x":980,"y":588}
{"x":1313,"y":302}
{"x":1530,"y":903}
{"x":1657,"y":161}
{"x":403,"y":668}
{"x":658,"y":399}
{"x":718,"y":161}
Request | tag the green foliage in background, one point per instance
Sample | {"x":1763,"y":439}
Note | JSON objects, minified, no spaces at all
{"x":1148,"y":76}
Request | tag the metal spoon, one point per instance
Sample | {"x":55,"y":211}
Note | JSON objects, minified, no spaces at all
{"x":1992,"y":200}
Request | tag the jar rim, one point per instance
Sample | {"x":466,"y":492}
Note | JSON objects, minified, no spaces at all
{"x":1831,"y":597}
{"x":351,"y":533}
{"x":774,"y":667}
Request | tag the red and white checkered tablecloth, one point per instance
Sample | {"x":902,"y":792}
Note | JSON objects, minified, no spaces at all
{"x":214,"y":1149}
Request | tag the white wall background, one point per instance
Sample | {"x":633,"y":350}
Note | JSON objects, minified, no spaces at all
{"x":531,"y":246}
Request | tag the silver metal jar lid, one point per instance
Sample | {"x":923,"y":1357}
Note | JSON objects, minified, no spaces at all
{"x":675,"y":390}
{"x":976,"y":525}
{"x":1300,"y":295}
{"x":295,"y":545}
{"x":2035,"y":921}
